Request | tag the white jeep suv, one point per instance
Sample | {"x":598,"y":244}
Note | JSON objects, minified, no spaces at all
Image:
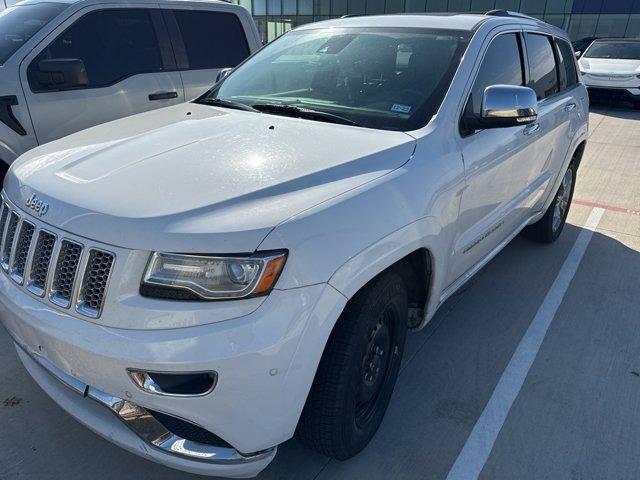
{"x":199,"y":283}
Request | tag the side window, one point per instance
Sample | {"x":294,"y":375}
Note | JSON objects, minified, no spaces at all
{"x":212,"y":39}
{"x":113,"y":44}
{"x":567,"y":65}
{"x":542,"y":65}
{"x":502,"y":65}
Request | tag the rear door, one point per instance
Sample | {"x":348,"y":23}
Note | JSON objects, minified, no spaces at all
{"x":129,"y":63}
{"x":553,"y":135}
{"x":206,"y":40}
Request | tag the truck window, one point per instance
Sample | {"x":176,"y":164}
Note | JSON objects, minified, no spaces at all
{"x":212,"y":39}
{"x":19,"y":24}
{"x":542,"y":65}
{"x":501,"y":65}
{"x":113,"y":44}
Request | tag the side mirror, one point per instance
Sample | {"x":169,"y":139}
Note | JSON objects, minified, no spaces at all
{"x":62,"y":73}
{"x":223,"y":73}
{"x":578,"y":54}
{"x":505,"y":106}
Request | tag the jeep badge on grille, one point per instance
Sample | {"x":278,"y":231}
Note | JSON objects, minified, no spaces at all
{"x":37,"y":205}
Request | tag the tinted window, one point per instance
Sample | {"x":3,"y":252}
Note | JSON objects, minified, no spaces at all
{"x":212,"y":39}
{"x":619,"y":50}
{"x":386,"y":78}
{"x":501,"y":65}
{"x":113,"y":44}
{"x":567,"y":65}
{"x":19,"y":24}
{"x":542,"y":65}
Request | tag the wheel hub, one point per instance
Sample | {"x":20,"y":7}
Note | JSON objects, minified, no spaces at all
{"x":374,"y":368}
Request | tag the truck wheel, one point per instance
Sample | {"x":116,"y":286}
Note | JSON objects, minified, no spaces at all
{"x":549,"y":227}
{"x":358,"y":370}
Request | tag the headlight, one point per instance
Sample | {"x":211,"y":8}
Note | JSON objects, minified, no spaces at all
{"x":199,"y":277}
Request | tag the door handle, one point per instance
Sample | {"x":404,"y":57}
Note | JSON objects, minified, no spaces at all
{"x":529,"y":129}
{"x":162,"y":96}
{"x":569,"y":107}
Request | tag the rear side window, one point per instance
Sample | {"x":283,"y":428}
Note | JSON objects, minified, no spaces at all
{"x":113,"y":44}
{"x":542,"y":65}
{"x":212,"y":39}
{"x":501,"y":65}
{"x":566,"y":65}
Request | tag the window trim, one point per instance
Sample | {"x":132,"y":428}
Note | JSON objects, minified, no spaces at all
{"x":162,"y":36}
{"x":177,"y":40}
{"x":524,"y":66}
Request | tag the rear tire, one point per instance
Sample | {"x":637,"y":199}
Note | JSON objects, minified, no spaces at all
{"x":358,"y":370}
{"x":549,"y":227}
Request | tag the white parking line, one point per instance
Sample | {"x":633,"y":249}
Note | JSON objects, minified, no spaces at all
{"x":477,"y":449}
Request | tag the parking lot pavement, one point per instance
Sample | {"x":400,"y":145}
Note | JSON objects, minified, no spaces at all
{"x":576,"y":415}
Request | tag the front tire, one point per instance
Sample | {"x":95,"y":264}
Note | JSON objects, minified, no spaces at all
{"x":549,"y":227}
{"x":358,"y":370}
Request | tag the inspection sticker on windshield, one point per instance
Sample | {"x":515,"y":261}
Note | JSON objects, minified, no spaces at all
{"x":400,"y":108}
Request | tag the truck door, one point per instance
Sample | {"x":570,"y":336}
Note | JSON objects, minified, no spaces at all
{"x":100,"y":65}
{"x":205,"y":40}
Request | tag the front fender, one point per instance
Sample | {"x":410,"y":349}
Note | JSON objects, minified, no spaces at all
{"x":425,"y":233}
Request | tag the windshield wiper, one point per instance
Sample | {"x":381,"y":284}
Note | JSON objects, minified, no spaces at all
{"x":298,"y":112}
{"x":219,"y":102}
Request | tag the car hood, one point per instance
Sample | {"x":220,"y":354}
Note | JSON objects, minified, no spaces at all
{"x":222,"y":177}
{"x":610,"y":65}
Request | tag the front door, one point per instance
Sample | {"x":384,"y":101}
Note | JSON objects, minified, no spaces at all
{"x":498,"y":163}
{"x":129,"y":64}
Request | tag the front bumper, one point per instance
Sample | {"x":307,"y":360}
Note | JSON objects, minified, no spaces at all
{"x":614,"y":94}
{"x":266,"y":362}
{"x":134,"y":429}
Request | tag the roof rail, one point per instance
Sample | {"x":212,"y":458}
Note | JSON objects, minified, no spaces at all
{"x":508,"y":13}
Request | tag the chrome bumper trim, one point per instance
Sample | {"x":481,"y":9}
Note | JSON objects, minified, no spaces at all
{"x":145,"y":426}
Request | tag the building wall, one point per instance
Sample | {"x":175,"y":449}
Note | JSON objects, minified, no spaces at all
{"x":581,"y":18}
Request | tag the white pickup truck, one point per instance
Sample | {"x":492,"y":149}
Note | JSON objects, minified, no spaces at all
{"x":199,"y":282}
{"x":66,"y":65}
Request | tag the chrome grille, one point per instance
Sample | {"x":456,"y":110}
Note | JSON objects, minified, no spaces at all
{"x":60,"y":267}
{"x":9,"y":236}
{"x":23,"y":245}
{"x":65,"y":273}
{"x":40,"y":264}
{"x":95,"y":281}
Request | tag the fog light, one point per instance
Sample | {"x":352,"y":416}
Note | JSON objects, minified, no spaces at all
{"x":193,"y":384}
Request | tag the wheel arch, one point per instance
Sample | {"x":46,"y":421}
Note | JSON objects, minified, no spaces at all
{"x":413,"y":252}
{"x":578,"y":153}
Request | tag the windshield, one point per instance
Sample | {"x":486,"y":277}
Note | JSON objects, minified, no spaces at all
{"x":385,"y":78}
{"x":18,"y":24}
{"x":618,"y":50}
